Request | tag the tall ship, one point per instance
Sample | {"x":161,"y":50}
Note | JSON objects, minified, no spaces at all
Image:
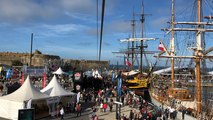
{"x":137,"y":79}
{"x":170,"y":87}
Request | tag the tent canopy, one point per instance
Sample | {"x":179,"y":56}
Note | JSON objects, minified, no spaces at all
{"x":25,"y":92}
{"x":11,"y":103}
{"x":59,"y":71}
{"x":55,"y":89}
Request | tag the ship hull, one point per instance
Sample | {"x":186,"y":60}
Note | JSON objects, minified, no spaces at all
{"x":179,"y":114}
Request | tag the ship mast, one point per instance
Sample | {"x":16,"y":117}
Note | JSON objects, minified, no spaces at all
{"x":172,"y":44}
{"x":133,"y":35}
{"x":198,"y":59}
{"x":199,"y":52}
{"x":142,"y":36}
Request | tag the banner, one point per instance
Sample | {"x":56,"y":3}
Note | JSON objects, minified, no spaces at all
{"x":34,"y":71}
{"x":29,"y":102}
{"x":113,"y":76}
{"x":9,"y":73}
{"x":44,"y":80}
{"x":119,"y":86}
{"x":22,"y":78}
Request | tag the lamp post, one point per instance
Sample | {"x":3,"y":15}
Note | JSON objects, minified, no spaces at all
{"x":119,"y":87}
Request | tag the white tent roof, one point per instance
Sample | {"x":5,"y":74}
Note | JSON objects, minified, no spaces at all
{"x":25,"y":92}
{"x":55,"y":89}
{"x":163,"y":70}
{"x":59,"y":71}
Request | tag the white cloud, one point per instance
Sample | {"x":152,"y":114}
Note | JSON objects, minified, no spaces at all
{"x":84,"y":6}
{"x":61,"y":28}
{"x":21,"y":11}
{"x":24,"y":10}
{"x":80,"y":16}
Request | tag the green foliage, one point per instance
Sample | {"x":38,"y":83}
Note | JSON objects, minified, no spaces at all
{"x":17,"y":63}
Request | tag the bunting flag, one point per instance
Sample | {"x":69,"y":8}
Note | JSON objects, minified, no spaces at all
{"x":44,"y":80}
{"x":161,"y":47}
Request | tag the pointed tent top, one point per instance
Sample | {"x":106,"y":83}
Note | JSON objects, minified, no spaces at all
{"x":55,"y":89}
{"x":59,"y":71}
{"x":25,"y":92}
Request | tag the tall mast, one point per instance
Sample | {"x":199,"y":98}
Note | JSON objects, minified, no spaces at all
{"x":142,"y":36}
{"x":172,"y":44}
{"x":133,"y":35}
{"x":198,"y":51}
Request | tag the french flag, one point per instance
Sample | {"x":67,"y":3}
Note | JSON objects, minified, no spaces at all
{"x":160,"y":47}
{"x":127,"y":62}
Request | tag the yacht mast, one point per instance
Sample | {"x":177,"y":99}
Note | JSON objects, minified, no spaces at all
{"x":172,"y":44}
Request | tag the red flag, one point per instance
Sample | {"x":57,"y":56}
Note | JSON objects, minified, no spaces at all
{"x":127,"y":62}
{"x":44,"y":80}
{"x":160,"y":47}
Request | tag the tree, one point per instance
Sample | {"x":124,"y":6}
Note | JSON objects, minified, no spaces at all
{"x":17,"y":63}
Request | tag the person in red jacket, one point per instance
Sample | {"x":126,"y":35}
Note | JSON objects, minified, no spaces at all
{"x":105,"y":106}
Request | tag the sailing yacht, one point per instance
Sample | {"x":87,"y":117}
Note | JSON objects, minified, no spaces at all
{"x":177,"y":97}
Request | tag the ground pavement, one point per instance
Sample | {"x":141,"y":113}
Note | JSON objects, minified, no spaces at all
{"x":87,"y":113}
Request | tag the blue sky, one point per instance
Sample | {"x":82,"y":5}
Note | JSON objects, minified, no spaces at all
{"x":68,"y":27}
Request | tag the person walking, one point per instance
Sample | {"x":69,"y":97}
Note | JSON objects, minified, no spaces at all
{"x":58,"y":110}
{"x":183,"y":113}
{"x":111,"y":105}
{"x":105,"y":106}
{"x":62,"y":113}
{"x":131,"y":115}
{"x":78,"y":109}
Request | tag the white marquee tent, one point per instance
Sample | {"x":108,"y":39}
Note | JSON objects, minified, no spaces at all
{"x":10,"y":104}
{"x":55,"y":89}
{"x":59,"y":71}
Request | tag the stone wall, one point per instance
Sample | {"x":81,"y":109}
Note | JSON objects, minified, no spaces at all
{"x":87,"y":64}
{"x":39,"y":59}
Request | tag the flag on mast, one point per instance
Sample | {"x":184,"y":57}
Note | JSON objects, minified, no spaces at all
{"x":127,"y":63}
{"x":161,"y":47}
